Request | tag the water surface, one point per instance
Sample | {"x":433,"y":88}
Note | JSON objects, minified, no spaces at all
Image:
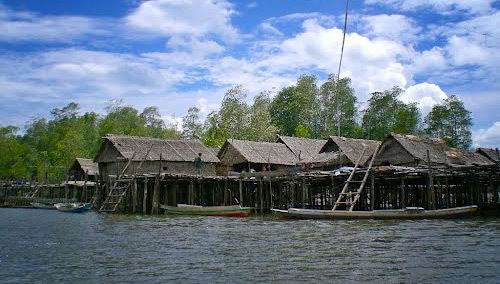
{"x":45,"y":246}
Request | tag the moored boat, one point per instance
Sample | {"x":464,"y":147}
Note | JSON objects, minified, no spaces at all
{"x":88,"y":206}
{"x":40,"y":205}
{"x":224,"y":211}
{"x":407,"y":213}
{"x":70,"y":207}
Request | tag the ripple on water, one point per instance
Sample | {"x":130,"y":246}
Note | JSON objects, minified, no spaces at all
{"x":49,"y":246}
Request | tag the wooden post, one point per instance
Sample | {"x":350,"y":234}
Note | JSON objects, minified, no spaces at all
{"x":303,"y":193}
{"x":240,"y":187}
{"x":174,"y":197}
{"x":190,"y":192}
{"x":430,"y":185}
{"x":156,"y":196}
{"x":372,"y":191}
{"x":260,"y":196}
{"x":271,"y":193}
{"x":85,"y":197}
{"x":403,"y":196}
{"x":134,"y":197}
{"x":225,"y":191}
{"x":145,"y":199}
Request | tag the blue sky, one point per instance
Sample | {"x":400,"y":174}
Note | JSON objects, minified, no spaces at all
{"x":180,"y":53}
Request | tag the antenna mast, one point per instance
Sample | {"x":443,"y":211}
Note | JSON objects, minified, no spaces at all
{"x":338,"y":72}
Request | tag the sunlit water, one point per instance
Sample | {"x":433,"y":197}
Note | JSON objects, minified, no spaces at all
{"x":51,"y":247}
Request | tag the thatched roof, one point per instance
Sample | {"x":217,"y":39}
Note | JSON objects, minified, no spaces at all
{"x":214,"y":150}
{"x":86,"y":165}
{"x":303,"y":148}
{"x":350,"y":147}
{"x":260,"y":152}
{"x":439,"y":151}
{"x":489,"y":153}
{"x":169,"y":150}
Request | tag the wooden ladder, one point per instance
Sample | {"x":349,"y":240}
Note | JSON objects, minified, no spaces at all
{"x":33,"y":192}
{"x":121,"y":186}
{"x":345,"y":197}
{"x":117,"y":191}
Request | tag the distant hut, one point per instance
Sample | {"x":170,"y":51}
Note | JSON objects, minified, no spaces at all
{"x":489,"y":153}
{"x":82,"y":166}
{"x":339,"y":151}
{"x":411,"y":150}
{"x":239,"y":156}
{"x":305,"y":149}
{"x":165,"y":156}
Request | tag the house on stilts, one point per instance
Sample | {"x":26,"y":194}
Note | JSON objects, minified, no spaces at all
{"x":248,"y":156}
{"x":152,"y":155}
{"x":414,"y":151}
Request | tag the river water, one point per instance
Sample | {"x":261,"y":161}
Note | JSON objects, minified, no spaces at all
{"x":45,"y":246}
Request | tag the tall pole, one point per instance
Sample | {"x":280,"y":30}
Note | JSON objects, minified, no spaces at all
{"x":338,"y":72}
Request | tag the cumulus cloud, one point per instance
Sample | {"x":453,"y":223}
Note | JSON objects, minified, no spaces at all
{"x":440,"y":6}
{"x":191,"y":17}
{"x":489,"y":137}
{"x":394,"y":27}
{"x":27,"y":26}
{"x":426,"y":95}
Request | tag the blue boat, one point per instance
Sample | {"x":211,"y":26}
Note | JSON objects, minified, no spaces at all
{"x":70,"y":207}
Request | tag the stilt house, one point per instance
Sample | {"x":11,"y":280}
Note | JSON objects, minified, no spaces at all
{"x":156,"y":155}
{"x":239,"y":155}
{"x":81,"y":167}
{"x":305,"y":149}
{"x":410,"y":150}
{"x":339,"y":151}
{"x":492,"y":154}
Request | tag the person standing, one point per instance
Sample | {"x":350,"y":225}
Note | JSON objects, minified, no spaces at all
{"x":198,"y":164}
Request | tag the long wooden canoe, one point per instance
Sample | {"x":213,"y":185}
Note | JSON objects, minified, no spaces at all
{"x":225,"y":211}
{"x":407,"y":213}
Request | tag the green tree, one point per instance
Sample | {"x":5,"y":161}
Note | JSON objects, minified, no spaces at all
{"x":451,"y":121}
{"x":215,"y":134}
{"x":233,"y":114}
{"x":296,"y":106}
{"x":260,"y":127}
{"x":338,"y":95}
{"x":122,"y":119}
{"x":13,"y":154}
{"x":386,"y":113}
{"x":192,"y":127}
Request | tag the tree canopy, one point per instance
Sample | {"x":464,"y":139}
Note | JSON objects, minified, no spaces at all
{"x":304,"y":109}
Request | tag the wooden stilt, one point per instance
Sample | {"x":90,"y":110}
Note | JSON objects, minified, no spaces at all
{"x":145,"y":199}
{"x":134,"y":197}
{"x":402,"y":195}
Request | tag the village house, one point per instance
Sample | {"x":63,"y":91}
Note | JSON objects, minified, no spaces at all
{"x":305,"y":149}
{"x":82,"y":169}
{"x":239,"y":155}
{"x":341,"y":151}
{"x":156,"y":155}
{"x":492,"y":154}
{"x":411,"y":150}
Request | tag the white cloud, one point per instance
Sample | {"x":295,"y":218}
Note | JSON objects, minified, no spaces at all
{"x":184,"y":17}
{"x":463,"y":51}
{"x":440,"y":6}
{"x":27,"y":26}
{"x":426,"y":95}
{"x":393,"y":27}
{"x":489,"y":137}
{"x":174,"y":121}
